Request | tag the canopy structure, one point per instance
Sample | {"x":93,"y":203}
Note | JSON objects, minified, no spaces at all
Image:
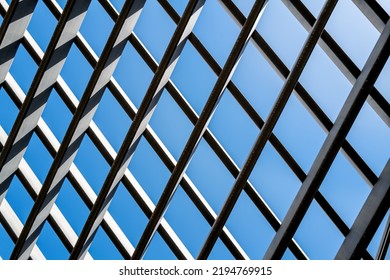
{"x":194,"y":129}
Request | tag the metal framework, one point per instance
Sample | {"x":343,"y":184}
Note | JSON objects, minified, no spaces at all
{"x":29,"y":122}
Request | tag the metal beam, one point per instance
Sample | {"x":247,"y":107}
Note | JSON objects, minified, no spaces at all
{"x":384,"y":244}
{"x":200,"y":127}
{"x":368,"y":220}
{"x":12,"y":29}
{"x":332,"y":144}
{"x":340,"y":58}
{"x":75,"y":177}
{"x":79,"y":124}
{"x":138,"y":126}
{"x":374,"y":12}
{"x":270,"y":123}
{"x":39,"y":91}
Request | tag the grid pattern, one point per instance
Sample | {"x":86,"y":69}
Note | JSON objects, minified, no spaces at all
{"x":62,"y":148}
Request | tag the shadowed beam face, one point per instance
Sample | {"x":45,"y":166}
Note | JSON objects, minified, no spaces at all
{"x":79,"y":124}
{"x":139,"y":125}
{"x":200,"y":127}
{"x":39,"y":91}
{"x":12,"y":31}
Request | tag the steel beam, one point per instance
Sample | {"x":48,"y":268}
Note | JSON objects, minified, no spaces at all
{"x":384,"y":244}
{"x":138,"y":126}
{"x":266,"y":131}
{"x":332,"y":144}
{"x":12,"y":29}
{"x":368,"y":220}
{"x":340,"y":58}
{"x":200,"y":127}
{"x":79,"y":124}
{"x":374,"y":12}
{"x":39,"y":91}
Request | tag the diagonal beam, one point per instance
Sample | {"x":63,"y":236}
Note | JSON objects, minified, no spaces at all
{"x":200,"y":127}
{"x":32,"y":185}
{"x":309,"y":103}
{"x":138,"y":126}
{"x":332,"y":144}
{"x":374,"y":12}
{"x":75,"y":177}
{"x":12,"y":30}
{"x":39,"y":91}
{"x":266,"y":131}
{"x":368,"y":220}
{"x":340,"y":58}
{"x":13,"y":227}
{"x":384,"y":244}
{"x":78,"y":126}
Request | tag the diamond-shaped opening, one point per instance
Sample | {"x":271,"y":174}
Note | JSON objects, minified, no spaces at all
{"x":96,"y":19}
{"x":194,"y":78}
{"x":245,"y":6}
{"x":38,"y":157}
{"x":42,"y":25}
{"x":210,"y":176}
{"x":128,"y":214}
{"x":76,"y":71}
{"x":179,"y":6}
{"x":325,"y":83}
{"x":383,"y":82}
{"x":149,"y":170}
{"x":133,"y":75}
{"x":299,"y":133}
{"x":313,"y":6}
{"x":75,"y":213}
{"x":23,"y":69}
{"x":102,"y":247}
{"x":8,"y":111}
{"x":158,"y":249}
{"x":250,"y":228}
{"x":362,"y":35}
{"x":370,"y":136}
{"x":275,"y":181}
{"x":56,"y":115}
{"x":233,"y":128}
{"x":220,"y":252}
{"x":376,"y":240}
{"x":288,"y":255}
{"x":282,"y":32}
{"x":91,"y":164}
{"x":51,"y":245}
{"x":257,"y":80}
{"x":171,"y":125}
{"x":317,"y":235}
{"x":156,"y":33}
{"x":345,"y":189}
{"x":187,"y":222}
{"x":19,"y":199}
{"x":108,"y":113}
{"x":213,"y":23}
{"x":7,"y":244}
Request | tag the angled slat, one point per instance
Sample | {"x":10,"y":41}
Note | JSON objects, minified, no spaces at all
{"x":12,"y":29}
{"x":138,"y":125}
{"x":200,"y":127}
{"x":332,"y":144}
{"x":39,"y":91}
{"x":79,"y":124}
{"x":266,"y":131}
{"x":368,"y":220}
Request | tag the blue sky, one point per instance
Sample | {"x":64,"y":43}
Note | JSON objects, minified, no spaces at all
{"x":344,"y":188}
